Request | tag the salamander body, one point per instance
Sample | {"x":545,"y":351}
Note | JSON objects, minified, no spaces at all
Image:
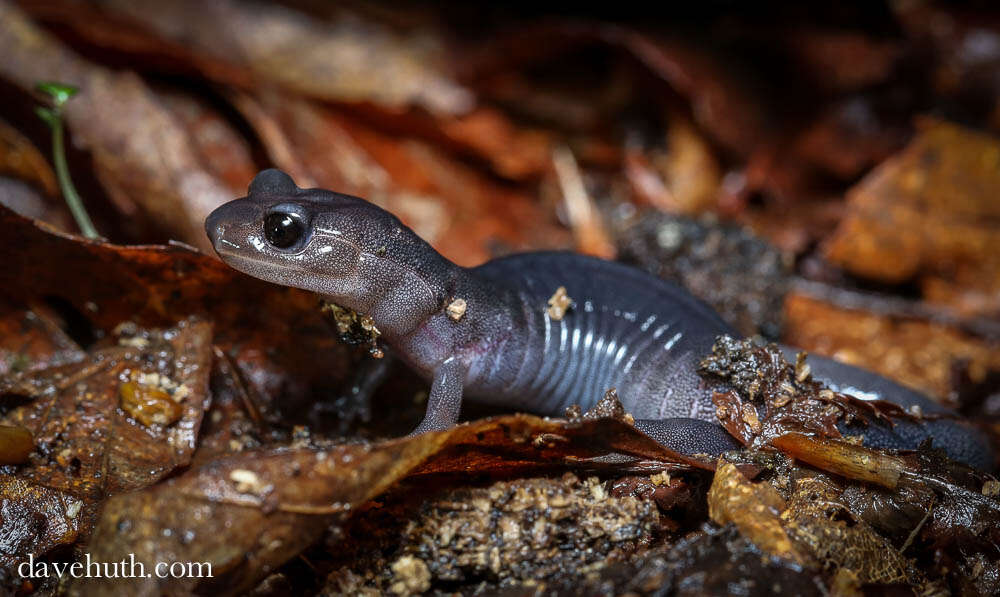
{"x":485,"y":333}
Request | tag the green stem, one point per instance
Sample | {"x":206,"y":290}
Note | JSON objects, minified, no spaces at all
{"x":69,"y":193}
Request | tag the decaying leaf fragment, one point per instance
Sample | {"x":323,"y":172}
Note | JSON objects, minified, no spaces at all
{"x":559,"y":303}
{"x":755,"y":508}
{"x":762,"y":395}
{"x":31,"y":339}
{"x":767,"y":401}
{"x":835,"y":538}
{"x":812,"y":528}
{"x":456,"y":309}
{"x":353,"y":327}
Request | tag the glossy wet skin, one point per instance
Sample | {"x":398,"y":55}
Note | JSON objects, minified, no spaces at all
{"x":332,"y":244}
{"x":627,"y":330}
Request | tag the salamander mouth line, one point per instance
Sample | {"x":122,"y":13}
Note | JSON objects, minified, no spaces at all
{"x":246,"y":264}
{"x":254,"y":267}
{"x":228,"y":243}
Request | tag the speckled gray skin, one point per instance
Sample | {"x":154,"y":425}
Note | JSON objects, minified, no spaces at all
{"x":627,"y":329}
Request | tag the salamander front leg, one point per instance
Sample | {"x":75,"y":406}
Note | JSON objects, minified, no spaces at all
{"x":445,"y":400}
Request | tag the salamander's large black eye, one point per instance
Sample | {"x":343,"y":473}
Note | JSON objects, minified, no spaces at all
{"x":282,"y":230}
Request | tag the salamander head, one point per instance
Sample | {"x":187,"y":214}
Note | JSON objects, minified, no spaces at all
{"x":313,"y":239}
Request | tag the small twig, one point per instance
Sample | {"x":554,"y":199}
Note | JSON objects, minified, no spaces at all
{"x":591,"y":237}
{"x":228,"y":369}
{"x":916,"y":529}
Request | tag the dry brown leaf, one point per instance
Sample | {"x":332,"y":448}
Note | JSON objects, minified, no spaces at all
{"x":344,"y":59}
{"x":22,"y":160}
{"x":223,"y":152}
{"x":720,"y":103}
{"x":463,"y":213}
{"x":683,"y":179}
{"x":913,"y":352}
{"x":930,"y":213}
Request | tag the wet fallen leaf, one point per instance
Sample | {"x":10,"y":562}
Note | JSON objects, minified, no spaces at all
{"x":32,"y":339}
{"x":89,"y":448}
{"x":816,"y":522}
{"x":843,"y":458}
{"x":937,"y":503}
{"x":247,"y":513}
{"x":233,"y":422}
{"x":35,"y":519}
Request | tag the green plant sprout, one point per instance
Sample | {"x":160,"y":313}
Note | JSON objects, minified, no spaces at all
{"x":60,"y":94}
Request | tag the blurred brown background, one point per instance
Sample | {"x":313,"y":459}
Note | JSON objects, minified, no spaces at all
{"x":856,"y":140}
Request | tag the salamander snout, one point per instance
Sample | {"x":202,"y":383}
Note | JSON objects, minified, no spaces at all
{"x":232,"y":227}
{"x":214,"y":227}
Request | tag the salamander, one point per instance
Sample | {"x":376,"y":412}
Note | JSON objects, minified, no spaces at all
{"x":485,"y":333}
